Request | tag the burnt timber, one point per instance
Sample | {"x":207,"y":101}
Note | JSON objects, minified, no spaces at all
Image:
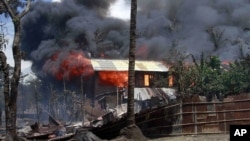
{"x":145,"y":121}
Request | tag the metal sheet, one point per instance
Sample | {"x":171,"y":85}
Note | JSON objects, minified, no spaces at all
{"x":122,"y":65}
{"x":147,"y":93}
{"x":141,"y":94}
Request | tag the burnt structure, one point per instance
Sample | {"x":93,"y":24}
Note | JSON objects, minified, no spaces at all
{"x":109,"y":83}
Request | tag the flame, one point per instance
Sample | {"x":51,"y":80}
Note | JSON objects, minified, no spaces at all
{"x":114,"y":78}
{"x":146,"y":80}
{"x":170,"y":80}
{"x":225,"y":62}
{"x":68,"y":64}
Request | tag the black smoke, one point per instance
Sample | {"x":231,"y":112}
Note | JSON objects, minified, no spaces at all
{"x":220,"y":27}
{"x":193,"y":25}
{"x":71,"y":24}
{"x":214,"y":27}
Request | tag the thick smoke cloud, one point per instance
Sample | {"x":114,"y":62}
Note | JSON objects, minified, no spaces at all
{"x":219,"y":27}
{"x":71,"y":24}
{"x":193,"y":25}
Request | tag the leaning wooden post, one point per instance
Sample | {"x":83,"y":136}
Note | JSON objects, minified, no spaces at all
{"x":181,"y":115}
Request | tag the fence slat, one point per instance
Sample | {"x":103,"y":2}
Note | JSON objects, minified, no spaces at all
{"x":194,"y":116}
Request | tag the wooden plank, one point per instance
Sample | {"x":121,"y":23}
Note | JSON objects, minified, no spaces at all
{"x":63,"y":138}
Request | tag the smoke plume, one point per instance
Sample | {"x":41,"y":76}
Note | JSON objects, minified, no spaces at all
{"x":220,"y":27}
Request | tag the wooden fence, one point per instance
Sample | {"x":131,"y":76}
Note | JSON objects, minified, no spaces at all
{"x":196,"y":116}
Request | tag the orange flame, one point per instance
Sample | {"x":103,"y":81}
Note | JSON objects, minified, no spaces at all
{"x":114,"y":78}
{"x":68,"y":64}
{"x":170,"y":81}
{"x":146,"y":80}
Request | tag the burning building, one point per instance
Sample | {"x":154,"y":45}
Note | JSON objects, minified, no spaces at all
{"x":55,"y":32}
{"x":105,"y":81}
{"x":57,"y":38}
{"x":111,"y":79}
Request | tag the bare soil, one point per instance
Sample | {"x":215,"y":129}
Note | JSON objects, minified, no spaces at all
{"x":207,"y":137}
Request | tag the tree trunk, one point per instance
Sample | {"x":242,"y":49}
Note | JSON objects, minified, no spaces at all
{"x":11,"y":98}
{"x":131,"y":73}
{"x":10,"y":95}
{"x":132,"y":131}
{"x":5,"y":69}
{"x":11,"y":85}
{"x":0,"y":116}
{"x":10,"y":131}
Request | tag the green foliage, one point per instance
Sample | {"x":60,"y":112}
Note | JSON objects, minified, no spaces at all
{"x":161,"y":82}
{"x":209,"y":77}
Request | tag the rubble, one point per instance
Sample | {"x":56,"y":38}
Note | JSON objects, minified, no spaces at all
{"x":51,"y":131}
{"x":56,"y":131}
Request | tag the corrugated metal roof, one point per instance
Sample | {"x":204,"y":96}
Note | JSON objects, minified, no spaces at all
{"x":142,"y":94}
{"x":122,"y":65}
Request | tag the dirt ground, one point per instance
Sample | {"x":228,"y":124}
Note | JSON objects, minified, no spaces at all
{"x":209,"y":137}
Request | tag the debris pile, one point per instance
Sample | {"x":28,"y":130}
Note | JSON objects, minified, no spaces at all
{"x":52,"y":131}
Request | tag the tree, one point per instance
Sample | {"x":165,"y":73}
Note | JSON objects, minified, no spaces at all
{"x":1,"y":103}
{"x":11,"y":8}
{"x":216,"y":36}
{"x":132,"y":131}
{"x":3,"y":43}
{"x":131,"y":73}
{"x":178,"y":68}
{"x":207,"y":73}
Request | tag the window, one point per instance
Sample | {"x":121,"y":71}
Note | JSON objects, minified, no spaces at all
{"x":146,"y":80}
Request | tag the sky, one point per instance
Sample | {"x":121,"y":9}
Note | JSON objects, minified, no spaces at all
{"x":119,"y":10}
